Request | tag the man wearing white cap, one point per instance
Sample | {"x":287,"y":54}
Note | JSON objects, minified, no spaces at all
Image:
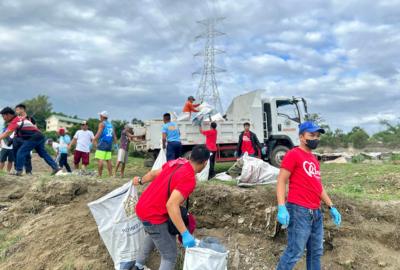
{"x":84,"y":139}
{"x":105,"y":135}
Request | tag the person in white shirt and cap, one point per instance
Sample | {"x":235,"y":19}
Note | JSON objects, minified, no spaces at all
{"x":83,"y":138}
{"x":105,"y":135}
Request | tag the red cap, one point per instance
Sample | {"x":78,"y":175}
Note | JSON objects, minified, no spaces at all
{"x":61,"y":130}
{"x":192,"y":226}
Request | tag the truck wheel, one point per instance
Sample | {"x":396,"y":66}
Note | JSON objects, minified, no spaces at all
{"x":277,"y":155}
{"x":187,"y":155}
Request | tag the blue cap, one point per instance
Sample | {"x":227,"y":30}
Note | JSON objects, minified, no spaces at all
{"x":311,"y":126}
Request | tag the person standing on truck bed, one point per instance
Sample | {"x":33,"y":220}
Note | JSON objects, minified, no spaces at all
{"x":190,"y":107}
{"x":300,"y":213}
{"x":211,"y":143}
{"x":248,"y":142}
{"x":170,"y":134}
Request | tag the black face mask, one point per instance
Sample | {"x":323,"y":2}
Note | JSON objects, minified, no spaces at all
{"x":312,"y":144}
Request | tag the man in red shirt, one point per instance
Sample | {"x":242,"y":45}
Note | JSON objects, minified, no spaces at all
{"x":211,"y":143}
{"x":302,"y":215}
{"x":34,"y":139}
{"x":154,"y":207}
{"x":248,"y":142}
{"x":190,"y":107}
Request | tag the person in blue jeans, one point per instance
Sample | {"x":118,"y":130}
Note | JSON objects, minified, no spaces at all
{"x":301,"y":213}
{"x":171,"y":135}
{"x":65,"y":140}
{"x":34,"y":139}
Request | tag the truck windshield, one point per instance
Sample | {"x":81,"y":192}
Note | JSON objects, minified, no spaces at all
{"x":288,"y":110}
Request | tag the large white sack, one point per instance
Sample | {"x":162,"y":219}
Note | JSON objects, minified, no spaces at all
{"x":183,"y":116}
{"x":256,"y":172}
{"x":204,"y":259}
{"x":203,"y":175}
{"x":174,"y":116}
{"x":206,"y":108}
{"x":119,"y":227}
{"x":216,"y":117}
{"x":223,"y":177}
{"x":160,"y":161}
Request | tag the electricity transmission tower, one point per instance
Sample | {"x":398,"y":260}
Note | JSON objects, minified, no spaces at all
{"x":208,"y":90}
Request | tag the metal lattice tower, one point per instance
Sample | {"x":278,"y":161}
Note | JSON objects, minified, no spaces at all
{"x":208,"y":90}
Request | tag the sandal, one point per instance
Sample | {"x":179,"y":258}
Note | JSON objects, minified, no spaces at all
{"x":15,"y":173}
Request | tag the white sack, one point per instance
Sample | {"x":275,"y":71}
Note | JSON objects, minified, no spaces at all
{"x":203,"y":175}
{"x":223,"y":177}
{"x":160,"y":161}
{"x":183,"y":116}
{"x":256,"y":172}
{"x":216,"y":117}
{"x":174,"y":116}
{"x":119,"y":227}
{"x":206,"y":108}
{"x":204,"y":259}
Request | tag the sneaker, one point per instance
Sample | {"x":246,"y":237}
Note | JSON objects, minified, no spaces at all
{"x":29,"y":173}
{"x":56,"y":170}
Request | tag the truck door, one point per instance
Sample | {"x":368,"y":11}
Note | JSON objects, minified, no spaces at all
{"x":287,"y":120}
{"x":267,"y":121}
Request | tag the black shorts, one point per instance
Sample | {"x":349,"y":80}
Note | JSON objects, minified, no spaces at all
{"x":7,"y":155}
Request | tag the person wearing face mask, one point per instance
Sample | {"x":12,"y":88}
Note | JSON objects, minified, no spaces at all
{"x":155,"y":206}
{"x":301,"y":213}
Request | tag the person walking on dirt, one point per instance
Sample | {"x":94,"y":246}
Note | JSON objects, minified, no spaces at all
{"x":65,"y":140}
{"x":83,"y":139}
{"x":33,"y":137}
{"x":105,"y":135}
{"x":123,"y":149}
{"x":248,"y":142}
{"x":301,"y":213}
{"x":211,"y":143}
{"x":55,"y":148}
{"x":171,"y":134}
{"x":155,"y":206}
{"x":20,"y":109}
{"x":6,"y":154}
{"x":190,"y":107}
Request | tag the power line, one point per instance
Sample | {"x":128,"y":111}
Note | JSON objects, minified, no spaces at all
{"x":133,"y":4}
{"x":173,"y":1}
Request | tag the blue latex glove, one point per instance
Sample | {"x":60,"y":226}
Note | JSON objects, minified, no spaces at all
{"x":283,"y":216}
{"x":115,"y":147}
{"x":336,"y":216}
{"x":263,"y":151}
{"x":187,"y":239}
{"x":90,"y":145}
{"x":199,"y":123}
{"x":235,"y":155}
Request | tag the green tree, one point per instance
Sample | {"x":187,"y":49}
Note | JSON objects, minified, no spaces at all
{"x":137,"y":122}
{"x":390,"y":135}
{"x":359,"y":138}
{"x":39,"y":108}
{"x":316,"y":117}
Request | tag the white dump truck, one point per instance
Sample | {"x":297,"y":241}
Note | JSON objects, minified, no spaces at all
{"x":275,"y":121}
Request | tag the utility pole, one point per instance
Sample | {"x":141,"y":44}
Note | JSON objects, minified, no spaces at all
{"x":208,"y":89}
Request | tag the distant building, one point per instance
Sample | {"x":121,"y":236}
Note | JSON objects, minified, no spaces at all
{"x":55,"y":122}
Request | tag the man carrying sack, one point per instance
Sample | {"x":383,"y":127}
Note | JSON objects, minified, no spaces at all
{"x":159,"y":206}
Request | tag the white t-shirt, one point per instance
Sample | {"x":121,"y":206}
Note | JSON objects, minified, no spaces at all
{"x":55,"y":146}
{"x":3,"y":143}
{"x":84,"y":138}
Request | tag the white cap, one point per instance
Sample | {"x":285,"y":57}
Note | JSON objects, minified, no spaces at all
{"x":104,"y":114}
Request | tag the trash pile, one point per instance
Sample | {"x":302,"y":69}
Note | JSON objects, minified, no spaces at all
{"x":85,"y":173}
{"x":250,"y":171}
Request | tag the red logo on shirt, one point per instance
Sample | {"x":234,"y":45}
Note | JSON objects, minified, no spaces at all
{"x":311,"y":169}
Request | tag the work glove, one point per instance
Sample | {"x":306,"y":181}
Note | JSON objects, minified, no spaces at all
{"x":235,"y":155}
{"x":199,"y":110}
{"x":283,"y":216}
{"x":263,"y":151}
{"x":336,"y":216}
{"x":90,"y":145}
{"x":115,"y":147}
{"x":187,"y":239}
{"x":199,"y":123}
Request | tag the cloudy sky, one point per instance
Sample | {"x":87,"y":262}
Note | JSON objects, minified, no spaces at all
{"x":134,"y":58}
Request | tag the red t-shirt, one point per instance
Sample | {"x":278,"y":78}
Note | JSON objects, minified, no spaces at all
{"x":247,"y":146}
{"x":152,"y":205}
{"x":28,"y":130}
{"x":305,"y":186}
{"x":211,"y":139}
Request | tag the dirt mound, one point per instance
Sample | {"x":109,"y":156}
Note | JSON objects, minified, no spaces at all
{"x":45,"y":224}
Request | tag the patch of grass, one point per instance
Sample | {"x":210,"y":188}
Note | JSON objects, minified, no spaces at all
{"x":5,"y":245}
{"x":229,"y":183}
{"x":2,"y":172}
{"x":222,"y":167}
{"x":394,"y":157}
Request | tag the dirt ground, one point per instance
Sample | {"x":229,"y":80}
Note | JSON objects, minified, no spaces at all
{"x":47,"y":225}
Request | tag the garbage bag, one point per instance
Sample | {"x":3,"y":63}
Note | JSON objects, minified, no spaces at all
{"x":206,"y":108}
{"x":256,"y":172}
{"x":205,"y":259}
{"x":183,"y":116}
{"x":174,"y":116}
{"x":223,"y":177}
{"x":119,"y":227}
{"x":203,"y":175}
{"x":160,"y":161}
{"x":216,"y":117}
